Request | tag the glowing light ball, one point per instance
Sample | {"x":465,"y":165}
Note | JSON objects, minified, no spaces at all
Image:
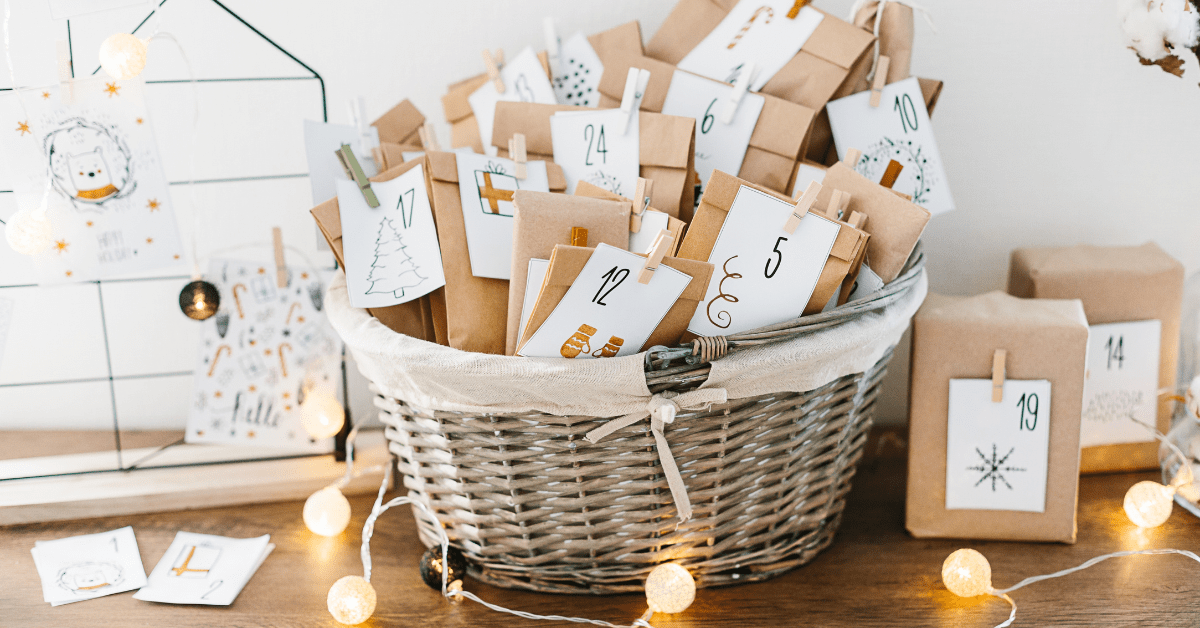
{"x":351,"y":600}
{"x":199,"y":300}
{"x":1148,"y":504}
{"x":432,"y":565}
{"x":966,"y":573}
{"x":321,"y":414}
{"x":327,"y":512}
{"x":670,"y":589}
{"x":28,"y":231}
{"x":123,"y":56}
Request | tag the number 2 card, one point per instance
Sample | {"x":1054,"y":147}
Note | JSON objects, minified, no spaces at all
{"x":590,"y":147}
{"x":998,"y":454}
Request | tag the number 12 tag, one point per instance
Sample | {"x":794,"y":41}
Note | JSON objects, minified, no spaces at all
{"x":997,"y":454}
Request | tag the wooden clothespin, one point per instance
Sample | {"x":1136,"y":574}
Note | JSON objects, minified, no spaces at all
{"x":881,"y":70}
{"x":641,"y":202}
{"x":662,"y":244}
{"x":579,"y":236}
{"x":740,"y":86}
{"x":999,"y":372}
{"x":516,"y":152}
{"x":837,"y":204}
{"x":428,"y":137}
{"x":631,"y":100}
{"x":858,"y":220}
{"x":852,"y":157}
{"x":493,"y":65}
{"x":280,"y":264}
{"x":353,"y":170}
{"x":66,"y":76}
{"x":803,"y":204}
{"x":795,"y":10}
{"x":891,"y":174}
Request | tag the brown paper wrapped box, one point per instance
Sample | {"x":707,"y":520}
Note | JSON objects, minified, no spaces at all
{"x":566,"y":262}
{"x":780,"y":138}
{"x":542,"y":220}
{"x":424,"y":318}
{"x":1116,"y":284}
{"x":398,"y":132}
{"x":674,"y":225}
{"x":476,"y":307}
{"x":667,"y":149}
{"x":955,"y":338}
{"x":464,"y":131}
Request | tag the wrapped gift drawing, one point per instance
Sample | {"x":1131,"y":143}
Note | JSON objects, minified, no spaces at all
{"x":496,"y":190}
{"x":195,"y":561}
{"x":89,"y":577}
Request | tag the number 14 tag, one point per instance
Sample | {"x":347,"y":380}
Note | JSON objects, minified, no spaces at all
{"x":997,"y":454}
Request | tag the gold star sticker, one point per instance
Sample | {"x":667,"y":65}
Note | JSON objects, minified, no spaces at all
{"x":288,"y":408}
{"x":253,"y":342}
{"x":249,"y":434}
{"x":90,"y":223}
{"x":60,"y":246}
{"x":68,"y":273}
{"x":177,"y":256}
{"x":153,"y":204}
{"x":262,"y":271}
{"x":299,"y":319}
{"x":199,"y":432}
{"x":45,"y":95}
{"x":139,"y":120}
{"x":252,"y":388}
{"x":267,"y":352}
{"x":287,"y":395}
{"x":149,"y":240}
{"x":304,"y":275}
{"x":217,"y":394}
{"x":112,"y":89}
{"x":23,"y":127}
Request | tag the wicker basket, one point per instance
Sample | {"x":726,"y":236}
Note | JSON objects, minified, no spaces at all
{"x":534,"y":506}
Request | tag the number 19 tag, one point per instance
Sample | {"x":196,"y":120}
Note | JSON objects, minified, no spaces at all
{"x":997,"y":453}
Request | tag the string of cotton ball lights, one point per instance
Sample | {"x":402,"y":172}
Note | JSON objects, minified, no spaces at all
{"x":327,"y":511}
{"x":670,"y":588}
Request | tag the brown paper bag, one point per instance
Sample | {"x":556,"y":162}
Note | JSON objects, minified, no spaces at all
{"x":1116,"y":284}
{"x":566,"y":262}
{"x":710,"y":217}
{"x":543,"y":220}
{"x":423,"y":318}
{"x":400,"y":125}
{"x":780,"y":138}
{"x":667,"y":149}
{"x":955,"y":338}
{"x":476,"y":307}
{"x":895,"y":39}
{"x":674,"y":225}
{"x":894,"y":223}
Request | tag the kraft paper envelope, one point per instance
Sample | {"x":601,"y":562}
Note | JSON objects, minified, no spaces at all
{"x":542,"y":220}
{"x":567,"y":261}
{"x":780,"y":138}
{"x":667,"y":149}
{"x":464,"y":131}
{"x":400,"y":125}
{"x":1116,"y":284}
{"x":955,"y":338}
{"x":714,"y":207}
{"x":476,"y":307}
{"x":674,"y":225}
{"x":895,"y":224}
{"x":424,"y":318}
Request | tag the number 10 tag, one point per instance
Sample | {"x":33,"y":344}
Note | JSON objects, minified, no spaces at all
{"x":997,"y":454}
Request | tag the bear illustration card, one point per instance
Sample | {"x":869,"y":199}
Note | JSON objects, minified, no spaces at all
{"x":486,"y":186}
{"x":391,"y":251}
{"x":88,"y":566}
{"x":259,"y":355}
{"x":89,"y":153}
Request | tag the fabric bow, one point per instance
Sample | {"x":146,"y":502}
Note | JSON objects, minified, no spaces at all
{"x":662,"y":408}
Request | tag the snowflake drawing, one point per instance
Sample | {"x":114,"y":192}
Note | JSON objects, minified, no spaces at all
{"x":994,"y":468}
{"x":911,"y":156}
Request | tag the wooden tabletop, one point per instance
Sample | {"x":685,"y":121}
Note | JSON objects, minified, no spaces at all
{"x":874,"y":575}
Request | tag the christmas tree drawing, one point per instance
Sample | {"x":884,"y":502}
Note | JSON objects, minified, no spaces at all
{"x":393,"y":270}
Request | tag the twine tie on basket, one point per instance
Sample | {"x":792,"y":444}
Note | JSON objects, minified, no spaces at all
{"x":661,"y":409}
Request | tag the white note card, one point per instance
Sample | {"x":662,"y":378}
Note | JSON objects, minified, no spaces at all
{"x":755,"y":30}
{"x":866,"y":284}
{"x":998,"y":454}
{"x":391,"y":251}
{"x":524,"y":81}
{"x":763,"y":274}
{"x":590,"y":147}
{"x":652,"y":223}
{"x":321,"y":143}
{"x":807,"y":173}
{"x":486,"y":186}
{"x":1122,"y":383}
{"x":606,"y":312}
{"x":205,"y":569}
{"x":533,"y":287}
{"x":897,"y":130}
{"x":577,"y":72}
{"x":89,"y":566}
{"x":719,"y":146}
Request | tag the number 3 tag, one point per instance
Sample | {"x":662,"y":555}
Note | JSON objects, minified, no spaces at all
{"x":997,"y":454}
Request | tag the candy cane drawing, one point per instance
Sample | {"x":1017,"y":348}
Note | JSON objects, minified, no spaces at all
{"x":217,"y":356}
{"x":290,"y":310}
{"x":238,"y":300}
{"x":282,"y":360}
{"x":763,"y":9}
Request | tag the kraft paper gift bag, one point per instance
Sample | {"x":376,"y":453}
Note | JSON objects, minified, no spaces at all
{"x":895,"y":39}
{"x":895,"y":223}
{"x":779,"y":138}
{"x":476,"y":307}
{"x":1132,"y":296}
{"x":566,"y":263}
{"x":424,"y":318}
{"x":651,"y":222}
{"x":398,"y":132}
{"x":985,"y":469}
{"x":667,"y":149}
{"x":543,"y":220}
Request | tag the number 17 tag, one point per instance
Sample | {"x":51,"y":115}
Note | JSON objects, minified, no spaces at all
{"x":997,"y":454}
